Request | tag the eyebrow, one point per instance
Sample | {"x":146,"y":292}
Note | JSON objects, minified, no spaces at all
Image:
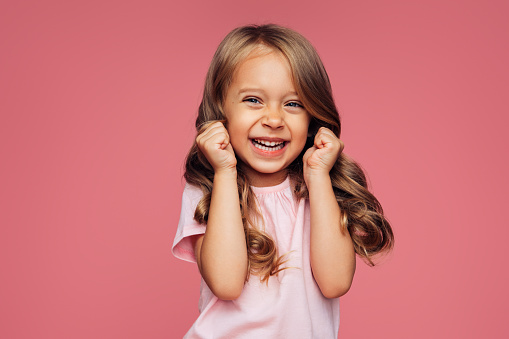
{"x":244,"y":90}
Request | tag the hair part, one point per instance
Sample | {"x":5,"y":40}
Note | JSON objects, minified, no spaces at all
{"x":361,"y":213}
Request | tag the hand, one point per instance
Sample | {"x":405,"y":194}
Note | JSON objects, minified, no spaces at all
{"x":215,"y":145}
{"x":319,"y":159}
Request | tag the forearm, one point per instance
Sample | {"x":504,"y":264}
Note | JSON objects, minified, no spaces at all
{"x":222,"y":257}
{"x":332,"y":254}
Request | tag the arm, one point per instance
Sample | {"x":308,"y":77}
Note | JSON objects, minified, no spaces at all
{"x":332,"y":253}
{"x":221,"y":253}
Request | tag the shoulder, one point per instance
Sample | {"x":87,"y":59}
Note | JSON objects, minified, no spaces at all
{"x":188,"y":227}
{"x":192,"y":194}
{"x":191,"y":197}
{"x":190,"y":189}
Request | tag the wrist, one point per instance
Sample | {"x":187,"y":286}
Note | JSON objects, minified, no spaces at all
{"x":226,"y":173}
{"x":317,"y":180}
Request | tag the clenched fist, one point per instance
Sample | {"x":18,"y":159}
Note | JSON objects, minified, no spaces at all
{"x":319,"y":159}
{"x":215,"y":145}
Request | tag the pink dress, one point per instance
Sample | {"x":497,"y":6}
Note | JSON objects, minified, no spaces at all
{"x":291,"y":306}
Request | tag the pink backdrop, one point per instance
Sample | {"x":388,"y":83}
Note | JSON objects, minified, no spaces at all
{"x":98,"y":101}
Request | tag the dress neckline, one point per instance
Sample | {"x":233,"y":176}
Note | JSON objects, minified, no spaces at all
{"x":271,"y":189}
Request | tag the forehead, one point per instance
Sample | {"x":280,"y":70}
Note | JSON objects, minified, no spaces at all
{"x":263,"y":64}
{"x":259,"y":51}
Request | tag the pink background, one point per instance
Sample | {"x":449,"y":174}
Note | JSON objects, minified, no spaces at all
{"x":98,"y":101}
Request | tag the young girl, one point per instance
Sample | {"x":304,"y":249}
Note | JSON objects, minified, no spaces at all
{"x":273,"y":212}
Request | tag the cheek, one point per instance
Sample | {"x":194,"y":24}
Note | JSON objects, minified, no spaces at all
{"x":303,"y":139}
{"x":235,"y":142}
{"x":303,"y":131}
{"x":236,"y":136}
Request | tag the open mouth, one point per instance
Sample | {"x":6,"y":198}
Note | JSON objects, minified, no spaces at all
{"x":269,"y":146}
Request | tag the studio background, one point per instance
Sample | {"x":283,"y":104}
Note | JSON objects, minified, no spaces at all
{"x":98,"y":101}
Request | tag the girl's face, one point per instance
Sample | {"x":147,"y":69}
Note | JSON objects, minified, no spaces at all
{"x":267,"y":123}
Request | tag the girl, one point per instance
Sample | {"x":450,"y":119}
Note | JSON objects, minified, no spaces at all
{"x":273,"y":213}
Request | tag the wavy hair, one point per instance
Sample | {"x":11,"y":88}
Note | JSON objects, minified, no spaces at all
{"x":361,"y":213}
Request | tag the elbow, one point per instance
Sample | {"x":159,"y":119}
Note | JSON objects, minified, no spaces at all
{"x":225,"y":286}
{"x":335,"y":290}
{"x":335,"y":293}
{"x":227,"y":291}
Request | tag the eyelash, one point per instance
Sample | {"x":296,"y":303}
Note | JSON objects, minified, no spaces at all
{"x":256,"y":101}
{"x":252,"y":100}
{"x":296,"y":104}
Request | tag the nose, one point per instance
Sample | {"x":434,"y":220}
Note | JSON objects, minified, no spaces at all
{"x":273,"y":118}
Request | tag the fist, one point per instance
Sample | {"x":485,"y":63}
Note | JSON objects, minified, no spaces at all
{"x":215,"y":145}
{"x":320,"y":158}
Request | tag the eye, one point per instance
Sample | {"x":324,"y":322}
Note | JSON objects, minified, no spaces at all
{"x":252,"y":100}
{"x":294,"y":104}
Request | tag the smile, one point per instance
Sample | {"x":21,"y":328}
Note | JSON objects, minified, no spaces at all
{"x":269,"y":146}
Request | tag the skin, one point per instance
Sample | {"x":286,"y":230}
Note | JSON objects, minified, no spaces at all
{"x":261,"y":103}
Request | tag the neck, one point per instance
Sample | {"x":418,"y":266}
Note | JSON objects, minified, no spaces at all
{"x":258,"y":179}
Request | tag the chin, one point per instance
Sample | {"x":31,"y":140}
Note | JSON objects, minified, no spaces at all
{"x":268,"y":169}
{"x":267,"y":172}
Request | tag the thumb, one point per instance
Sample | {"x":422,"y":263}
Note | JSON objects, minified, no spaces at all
{"x":229,"y":148}
{"x":308,"y":153}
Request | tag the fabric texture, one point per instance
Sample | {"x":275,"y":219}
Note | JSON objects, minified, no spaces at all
{"x":291,"y":305}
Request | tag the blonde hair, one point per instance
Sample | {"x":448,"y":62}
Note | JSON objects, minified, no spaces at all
{"x":361,"y":213}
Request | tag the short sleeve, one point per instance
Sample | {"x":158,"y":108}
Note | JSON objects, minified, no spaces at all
{"x":187,"y":227}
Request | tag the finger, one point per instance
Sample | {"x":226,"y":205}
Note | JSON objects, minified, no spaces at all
{"x":225,"y":140}
{"x":326,"y":131}
{"x":341,"y":146}
{"x":211,"y":129}
{"x":213,"y":132}
{"x":209,"y":125}
{"x":217,"y":138}
{"x":323,"y":139}
{"x":229,"y":148}
{"x":327,"y":138}
{"x":308,"y":153}
{"x":207,"y":128}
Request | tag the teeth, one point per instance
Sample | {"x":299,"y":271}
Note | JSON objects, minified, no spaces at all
{"x":268,"y":143}
{"x":265,"y":148}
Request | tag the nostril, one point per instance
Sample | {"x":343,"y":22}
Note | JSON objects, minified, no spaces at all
{"x":273,"y":120}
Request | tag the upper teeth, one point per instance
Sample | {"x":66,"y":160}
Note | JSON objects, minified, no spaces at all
{"x":269,"y":143}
